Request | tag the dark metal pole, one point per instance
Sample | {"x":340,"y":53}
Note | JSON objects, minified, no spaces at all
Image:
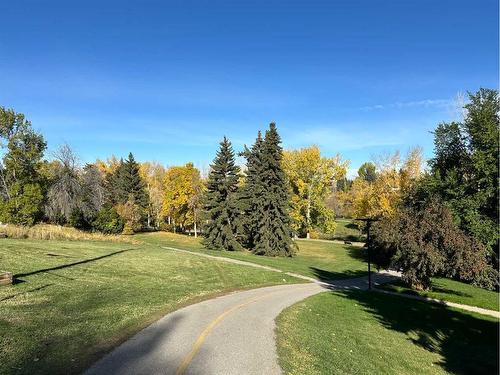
{"x":368,"y":224}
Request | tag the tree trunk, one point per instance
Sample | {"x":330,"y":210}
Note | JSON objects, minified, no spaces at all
{"x":195,"y":227}
{"x":308,"y":213}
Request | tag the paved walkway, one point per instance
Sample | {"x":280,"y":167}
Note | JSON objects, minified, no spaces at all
{"x":475,"y":309}
{"x":382,"y":277}
{"x":232,"y":334}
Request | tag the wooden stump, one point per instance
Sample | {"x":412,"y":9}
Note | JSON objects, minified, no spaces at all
{"x":5,"y":278}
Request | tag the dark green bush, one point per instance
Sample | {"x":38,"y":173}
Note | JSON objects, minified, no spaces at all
{"x":79,"y":221}
{"x":108,"y":221}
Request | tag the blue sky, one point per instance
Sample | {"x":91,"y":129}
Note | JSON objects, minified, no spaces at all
{"x":166,"y":80}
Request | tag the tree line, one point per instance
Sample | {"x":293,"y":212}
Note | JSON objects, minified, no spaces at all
{"x":435,"y":219}
{"x":124,"y":196}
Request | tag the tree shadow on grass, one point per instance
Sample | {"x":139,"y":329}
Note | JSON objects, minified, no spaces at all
{"x":449,"y":291}
{"x":352,"y":226}
{"x":407,"y":290}
{"x":358,"y":253}
{"x":328,"y":276}
{"x":467,"y":343}
{"x":25,"y":292}
{"x":62,"y":266}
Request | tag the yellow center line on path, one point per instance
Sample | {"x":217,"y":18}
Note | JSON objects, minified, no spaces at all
{"x":201,"y":339}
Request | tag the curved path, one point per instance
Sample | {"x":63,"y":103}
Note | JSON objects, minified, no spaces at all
{"x":232,"y":334}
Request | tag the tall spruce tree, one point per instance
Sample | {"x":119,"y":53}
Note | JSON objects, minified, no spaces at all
{"x":221,"y":202}
{"x":126,"y":182}
{"x":251,"y":192}
{"x":273,"y":233}
{"x":131,"y":183}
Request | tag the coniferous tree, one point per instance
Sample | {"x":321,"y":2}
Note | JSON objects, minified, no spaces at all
{"x":251,"y":192}
{"x":131,"y":183}
{"x":126,"y":182}
{"x":221,"y":203}
{"x":113,"y":184}
{"x":273,"y":233}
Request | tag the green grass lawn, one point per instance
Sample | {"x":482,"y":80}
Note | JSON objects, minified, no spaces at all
{"x":75,"y":300}
{"x":453,"y":291}
{"x":320,"y":259}
{"x":357,"y":332}
{"x":347,"y":230}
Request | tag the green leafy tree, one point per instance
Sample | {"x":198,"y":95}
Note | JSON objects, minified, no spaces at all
{"x":21,"y":184}
{"x":464,"y":170}
{"x":221,"y":202}
{"x":273,"y":233}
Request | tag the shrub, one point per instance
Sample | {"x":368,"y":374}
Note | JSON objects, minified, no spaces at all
{"x":79,"y":221}
{"x":130,"y":212}
{"x":24,"y":207}
{"x":425,"y":242}
{"x":128,"y":230}
{"x":108,"y":221}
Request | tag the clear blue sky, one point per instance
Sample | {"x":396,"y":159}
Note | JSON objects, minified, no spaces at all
{"x":167,"y":80}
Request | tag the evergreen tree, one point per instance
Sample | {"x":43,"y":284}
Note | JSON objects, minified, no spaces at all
{"x":221,"y":201}
{"x":113,"y":184}
{"x":273,"y":234}
{"x":131,"y":183}
{"x":126,"y":182}
{"x":251,"y":192}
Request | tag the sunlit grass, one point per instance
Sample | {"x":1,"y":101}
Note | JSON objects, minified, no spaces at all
{"x":360,"y":332}
{"x":320,"y":259}
{"x":75,"y":300}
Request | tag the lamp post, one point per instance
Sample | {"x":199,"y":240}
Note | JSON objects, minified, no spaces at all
{"x":368,"y":221}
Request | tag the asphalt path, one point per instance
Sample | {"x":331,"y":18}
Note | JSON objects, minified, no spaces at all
{"x":232,"y":334}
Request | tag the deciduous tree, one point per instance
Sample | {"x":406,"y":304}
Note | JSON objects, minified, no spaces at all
{"x":311,"y":178}
{"x":182,"y":198}
{"x":153,"y":174}
{"x":21,"y":185}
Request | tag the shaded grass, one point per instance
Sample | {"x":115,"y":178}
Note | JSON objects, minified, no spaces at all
{"x":345,"y":230}
{"x":75,"y":300}
{"x":332,"y":260}
{"x":358,"y":332}
{"x":452,"y":291}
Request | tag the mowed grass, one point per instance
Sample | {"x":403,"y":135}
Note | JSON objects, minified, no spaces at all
{"x":347,"y":230}
{"x":75,"y":300}
{"x":452,"y":291}
{"x":320,"y":259}
{"x":358,"y":332}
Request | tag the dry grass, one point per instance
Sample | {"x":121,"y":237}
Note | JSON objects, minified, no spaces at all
{"x":56,"y":232}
